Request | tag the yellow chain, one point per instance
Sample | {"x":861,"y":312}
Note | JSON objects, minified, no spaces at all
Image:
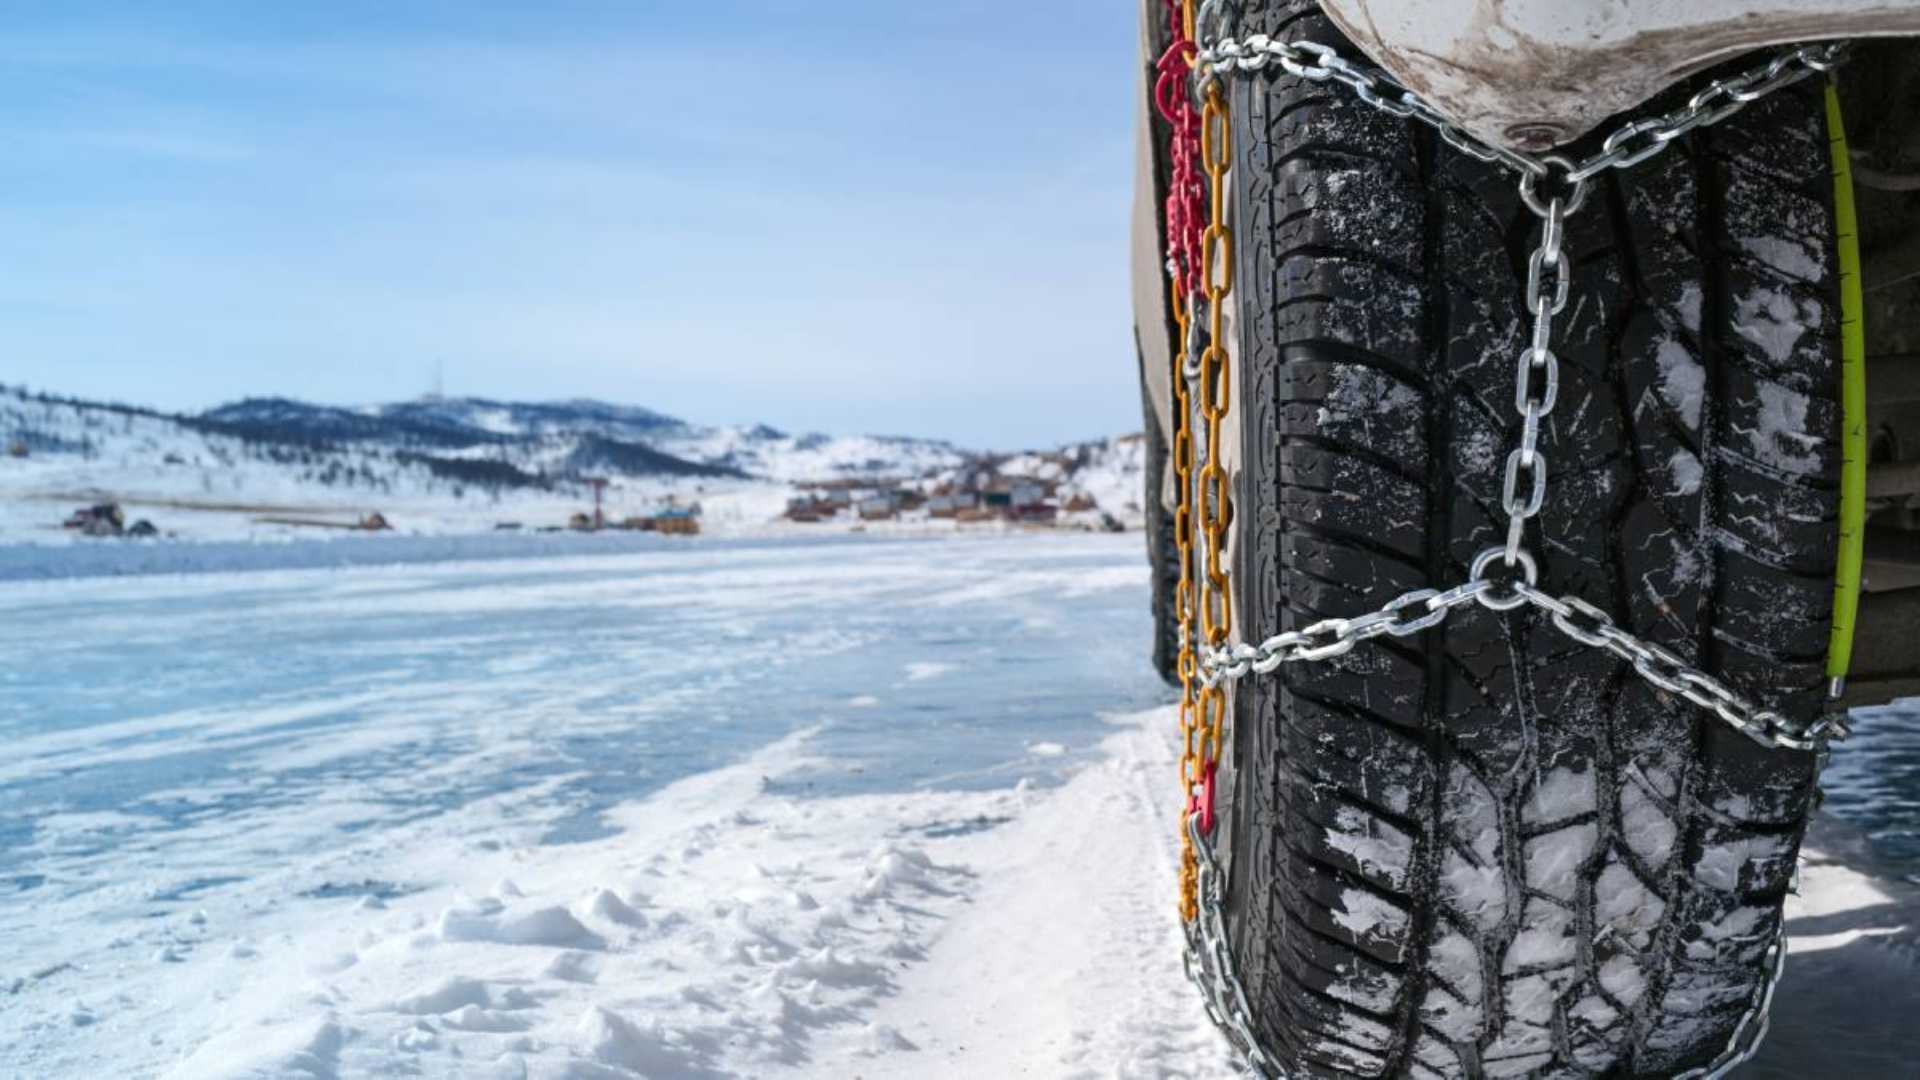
{"x":1216,"y":498}
{"x":1188,"y":663}
{"x":1203,"y":710}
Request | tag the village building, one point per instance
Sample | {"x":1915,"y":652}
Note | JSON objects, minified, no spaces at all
{"x":810,"y":509}
{"x":810,"y":513}
{"x":952,"y":504}
{"x":1040,"y":513}
{"x":877,"y":507}
{"x":678,"y":521}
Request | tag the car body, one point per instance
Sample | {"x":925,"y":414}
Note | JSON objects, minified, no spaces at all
{"x":1534,"y":74}
{"x":1537,"y":75}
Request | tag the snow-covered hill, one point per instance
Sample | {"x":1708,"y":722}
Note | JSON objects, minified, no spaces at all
{"x":1110,"y":471}
{"x":586,"y":436}
{"x":461,"y":464}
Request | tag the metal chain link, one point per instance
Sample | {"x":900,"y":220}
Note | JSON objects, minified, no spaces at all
{"x":1209,"y":965}
{"x":1572,"y":616}
{"x":1214,"y":385}
{"x":1186,"y":210}
{"x":1209,"y":959}
{"x":1209,"y":962}
{"x":1627,"y":146}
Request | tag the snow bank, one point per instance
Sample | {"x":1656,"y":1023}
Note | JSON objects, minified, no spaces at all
{"x":727,"y":929}
{"x":731,"y":929}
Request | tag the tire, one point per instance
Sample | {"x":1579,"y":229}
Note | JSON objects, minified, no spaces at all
{"x":1487,"y":850}
{"x":1163,"y":551}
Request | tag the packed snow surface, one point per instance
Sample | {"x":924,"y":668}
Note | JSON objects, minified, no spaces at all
{"x":852,"y":808}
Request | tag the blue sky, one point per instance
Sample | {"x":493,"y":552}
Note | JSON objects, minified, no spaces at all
{"x":871,"y":215}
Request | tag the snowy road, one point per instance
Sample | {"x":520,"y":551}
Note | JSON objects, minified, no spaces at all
{"x":230,"y":782}
{"x":750,"y":809}
{"x":377,"y":696}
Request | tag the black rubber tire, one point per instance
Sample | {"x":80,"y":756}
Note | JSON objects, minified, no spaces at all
{"x":1163,"y":553}
{"x":1487,"y":850}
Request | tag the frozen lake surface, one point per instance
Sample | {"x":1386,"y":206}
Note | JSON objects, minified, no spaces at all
{"x":194,"y":758}
{"x":339,"y":702}
{"x":706,"y":809}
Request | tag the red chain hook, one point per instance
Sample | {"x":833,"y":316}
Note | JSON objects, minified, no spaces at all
{"x":1186,"y":209}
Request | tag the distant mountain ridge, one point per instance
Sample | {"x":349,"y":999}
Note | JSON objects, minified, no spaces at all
{"x":442,"y":421}
{"x":554,"y":440}
{"x":580,"y":435}
{"x":484,"y":441}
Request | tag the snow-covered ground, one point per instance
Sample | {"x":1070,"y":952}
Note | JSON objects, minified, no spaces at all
{"x":207,"y":485}
{"x":274,"y":470}
{"x":840,"y":808}
{"x":228,"y":796}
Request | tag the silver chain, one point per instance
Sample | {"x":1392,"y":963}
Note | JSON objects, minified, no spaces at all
{"x":1209,"y":959}
{"x":1625,"y":147}
{"x":1536,"y":376}
{"x":1421,"y":609}
{"x":1210,"y":967}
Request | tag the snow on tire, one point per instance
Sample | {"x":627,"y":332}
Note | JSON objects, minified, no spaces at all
{"x":1487,"y":850}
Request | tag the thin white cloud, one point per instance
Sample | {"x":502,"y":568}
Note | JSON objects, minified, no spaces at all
{"x":926,"y":237}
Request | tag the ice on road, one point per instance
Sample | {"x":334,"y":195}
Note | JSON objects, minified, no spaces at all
{"x":826,"y":809}
{"x":690,"y":811}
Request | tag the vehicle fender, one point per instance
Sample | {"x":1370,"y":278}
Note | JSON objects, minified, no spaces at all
{"x":1152,"y":299}
{"x":1534,"y":74}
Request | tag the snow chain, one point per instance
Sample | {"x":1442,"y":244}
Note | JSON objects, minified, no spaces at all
{"x":1500,"y":578}
{"x":1184,"y":208}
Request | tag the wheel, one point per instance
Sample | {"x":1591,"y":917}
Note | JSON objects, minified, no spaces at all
{"x":1163,"y":552}
{"x":1488,"y":850}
